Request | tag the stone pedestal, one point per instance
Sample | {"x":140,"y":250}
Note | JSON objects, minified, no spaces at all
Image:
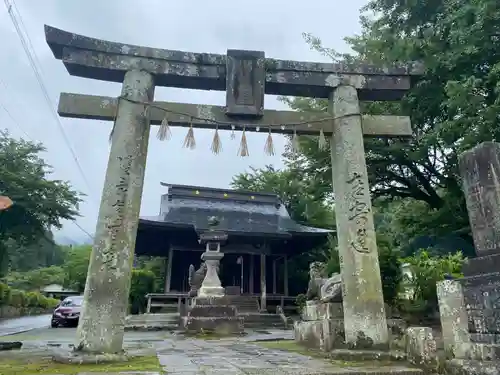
{"x":212,"y":315}
{"x":211,"y":286}
{"x":321,"y":326}
{"x":480,"y":171}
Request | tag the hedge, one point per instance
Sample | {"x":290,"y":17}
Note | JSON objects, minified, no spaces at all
{"x":18,"y":298}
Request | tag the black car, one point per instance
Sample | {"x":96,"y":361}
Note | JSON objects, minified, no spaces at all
{"x":67,"y":312}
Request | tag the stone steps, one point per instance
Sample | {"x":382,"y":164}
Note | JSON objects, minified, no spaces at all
{"x":262,"y":320}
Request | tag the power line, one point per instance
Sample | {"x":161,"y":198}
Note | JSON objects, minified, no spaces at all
{"x":33,"y":59}
{"x":14,"y":120}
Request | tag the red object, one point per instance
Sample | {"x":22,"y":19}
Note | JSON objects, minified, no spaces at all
{"x":5,"y":202}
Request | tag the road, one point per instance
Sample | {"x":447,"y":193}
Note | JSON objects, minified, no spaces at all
{"x":27,"y":323}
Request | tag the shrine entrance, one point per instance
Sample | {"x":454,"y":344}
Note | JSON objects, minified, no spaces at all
{"x":246,"y":76}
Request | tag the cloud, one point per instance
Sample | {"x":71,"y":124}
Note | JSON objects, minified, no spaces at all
{"x":274,"y":27}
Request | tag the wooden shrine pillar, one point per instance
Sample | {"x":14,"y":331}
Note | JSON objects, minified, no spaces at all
{"x":251,"y":277}
{"x":263,"y":281}
{"x":274,"y":276}
{"x":285,"y":275}
{"x":168,"y":269}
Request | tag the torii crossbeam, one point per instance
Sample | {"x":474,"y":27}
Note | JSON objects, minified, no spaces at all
{"x":246,"y":76}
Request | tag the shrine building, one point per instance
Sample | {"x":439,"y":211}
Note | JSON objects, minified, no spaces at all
{"x":261,"y":239}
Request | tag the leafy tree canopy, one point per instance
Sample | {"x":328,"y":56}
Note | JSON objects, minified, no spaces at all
{"x":40,"y":203}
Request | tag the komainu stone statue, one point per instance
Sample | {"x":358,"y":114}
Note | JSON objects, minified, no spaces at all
{"x":331,"y":290}
{"x":321,"y":287}
{"x":196,"y":278}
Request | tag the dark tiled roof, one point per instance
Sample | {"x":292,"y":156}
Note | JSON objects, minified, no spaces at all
{"x":239,"y":212}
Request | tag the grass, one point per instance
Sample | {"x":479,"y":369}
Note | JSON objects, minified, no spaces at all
{"x":46,"y":366}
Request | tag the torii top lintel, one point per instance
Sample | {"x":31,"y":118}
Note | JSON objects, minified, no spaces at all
{"x":109,"y":61}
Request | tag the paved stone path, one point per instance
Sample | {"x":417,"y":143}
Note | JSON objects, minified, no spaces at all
{"x":230,"y":357}
{"x":194,"y":357}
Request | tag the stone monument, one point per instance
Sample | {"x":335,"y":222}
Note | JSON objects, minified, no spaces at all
{"x":209,"y":310}
{"x":322,"y":319}
{"x":480,"y":171}
{"x":469,"y":307}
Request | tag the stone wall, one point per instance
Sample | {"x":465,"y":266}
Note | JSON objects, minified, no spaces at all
{"x":7,"y":312}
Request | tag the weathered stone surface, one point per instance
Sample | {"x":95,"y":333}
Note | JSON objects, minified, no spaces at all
{"x":361,"y":283}
{"x":454,"y":320}
{"x":245,"y":80}
{"x":421,"y":347}
{"x":331,"y":290}
{"x":211,"y":286}
{"x":95,"y":107}
{"x":152,"y":322}
{"x":219,"y":326}
{"x":105,"y":306}
{"x":213,"y":310}
{"x":317,"y":311}
{"x":468,"y":367}
{"x":480,"y":352}
{"x":196,"y":278}
{"x":482,"y":296}
{"x":324,"y":334}
{"x":480,"y":171}
{"x":100,"y":59}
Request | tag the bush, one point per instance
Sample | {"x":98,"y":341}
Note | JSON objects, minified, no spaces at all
{"x":142,"y":283}
{"x":5,"y":292}
{"x":50,"y":303}
{"x":17,"y":298}
{"x":32,"y":299}
{"x":427,"y":271}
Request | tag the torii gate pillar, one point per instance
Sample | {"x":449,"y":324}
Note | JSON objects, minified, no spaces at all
{"x":102,"y":321}
{"x":363,"y":302}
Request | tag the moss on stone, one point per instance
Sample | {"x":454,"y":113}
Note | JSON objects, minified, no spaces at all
{"x":47,"y":366}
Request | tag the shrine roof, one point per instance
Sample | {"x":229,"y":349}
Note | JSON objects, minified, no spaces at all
{"x":241,"y":213}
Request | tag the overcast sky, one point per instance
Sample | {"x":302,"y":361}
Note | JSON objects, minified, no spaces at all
{"x":191,"y":25}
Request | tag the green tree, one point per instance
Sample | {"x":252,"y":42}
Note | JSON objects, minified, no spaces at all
{"x":76,"y":267}
{"x":300,"y":197}
{"x":39,"y":253}
{"x":453,"y":107}
{"x":36,"y":279}
{"x":40,"y":203}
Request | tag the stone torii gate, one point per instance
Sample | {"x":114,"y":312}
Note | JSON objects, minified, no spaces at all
{"x":246,"y":76}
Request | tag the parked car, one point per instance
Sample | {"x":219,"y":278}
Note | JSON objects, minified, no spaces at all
{"x":67,"y":312}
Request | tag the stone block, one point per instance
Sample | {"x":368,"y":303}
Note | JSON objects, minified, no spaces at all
{"x":421,"y":347}
{"x":480,"y":171}
{"x":319,"y":311}
{"x":454,"y":318}
{"x":320,"y":334}
{"x":220,"y":326}
{"x":481,"y":352}
{"x":213,"y":311}
{"x":482,"y":296}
